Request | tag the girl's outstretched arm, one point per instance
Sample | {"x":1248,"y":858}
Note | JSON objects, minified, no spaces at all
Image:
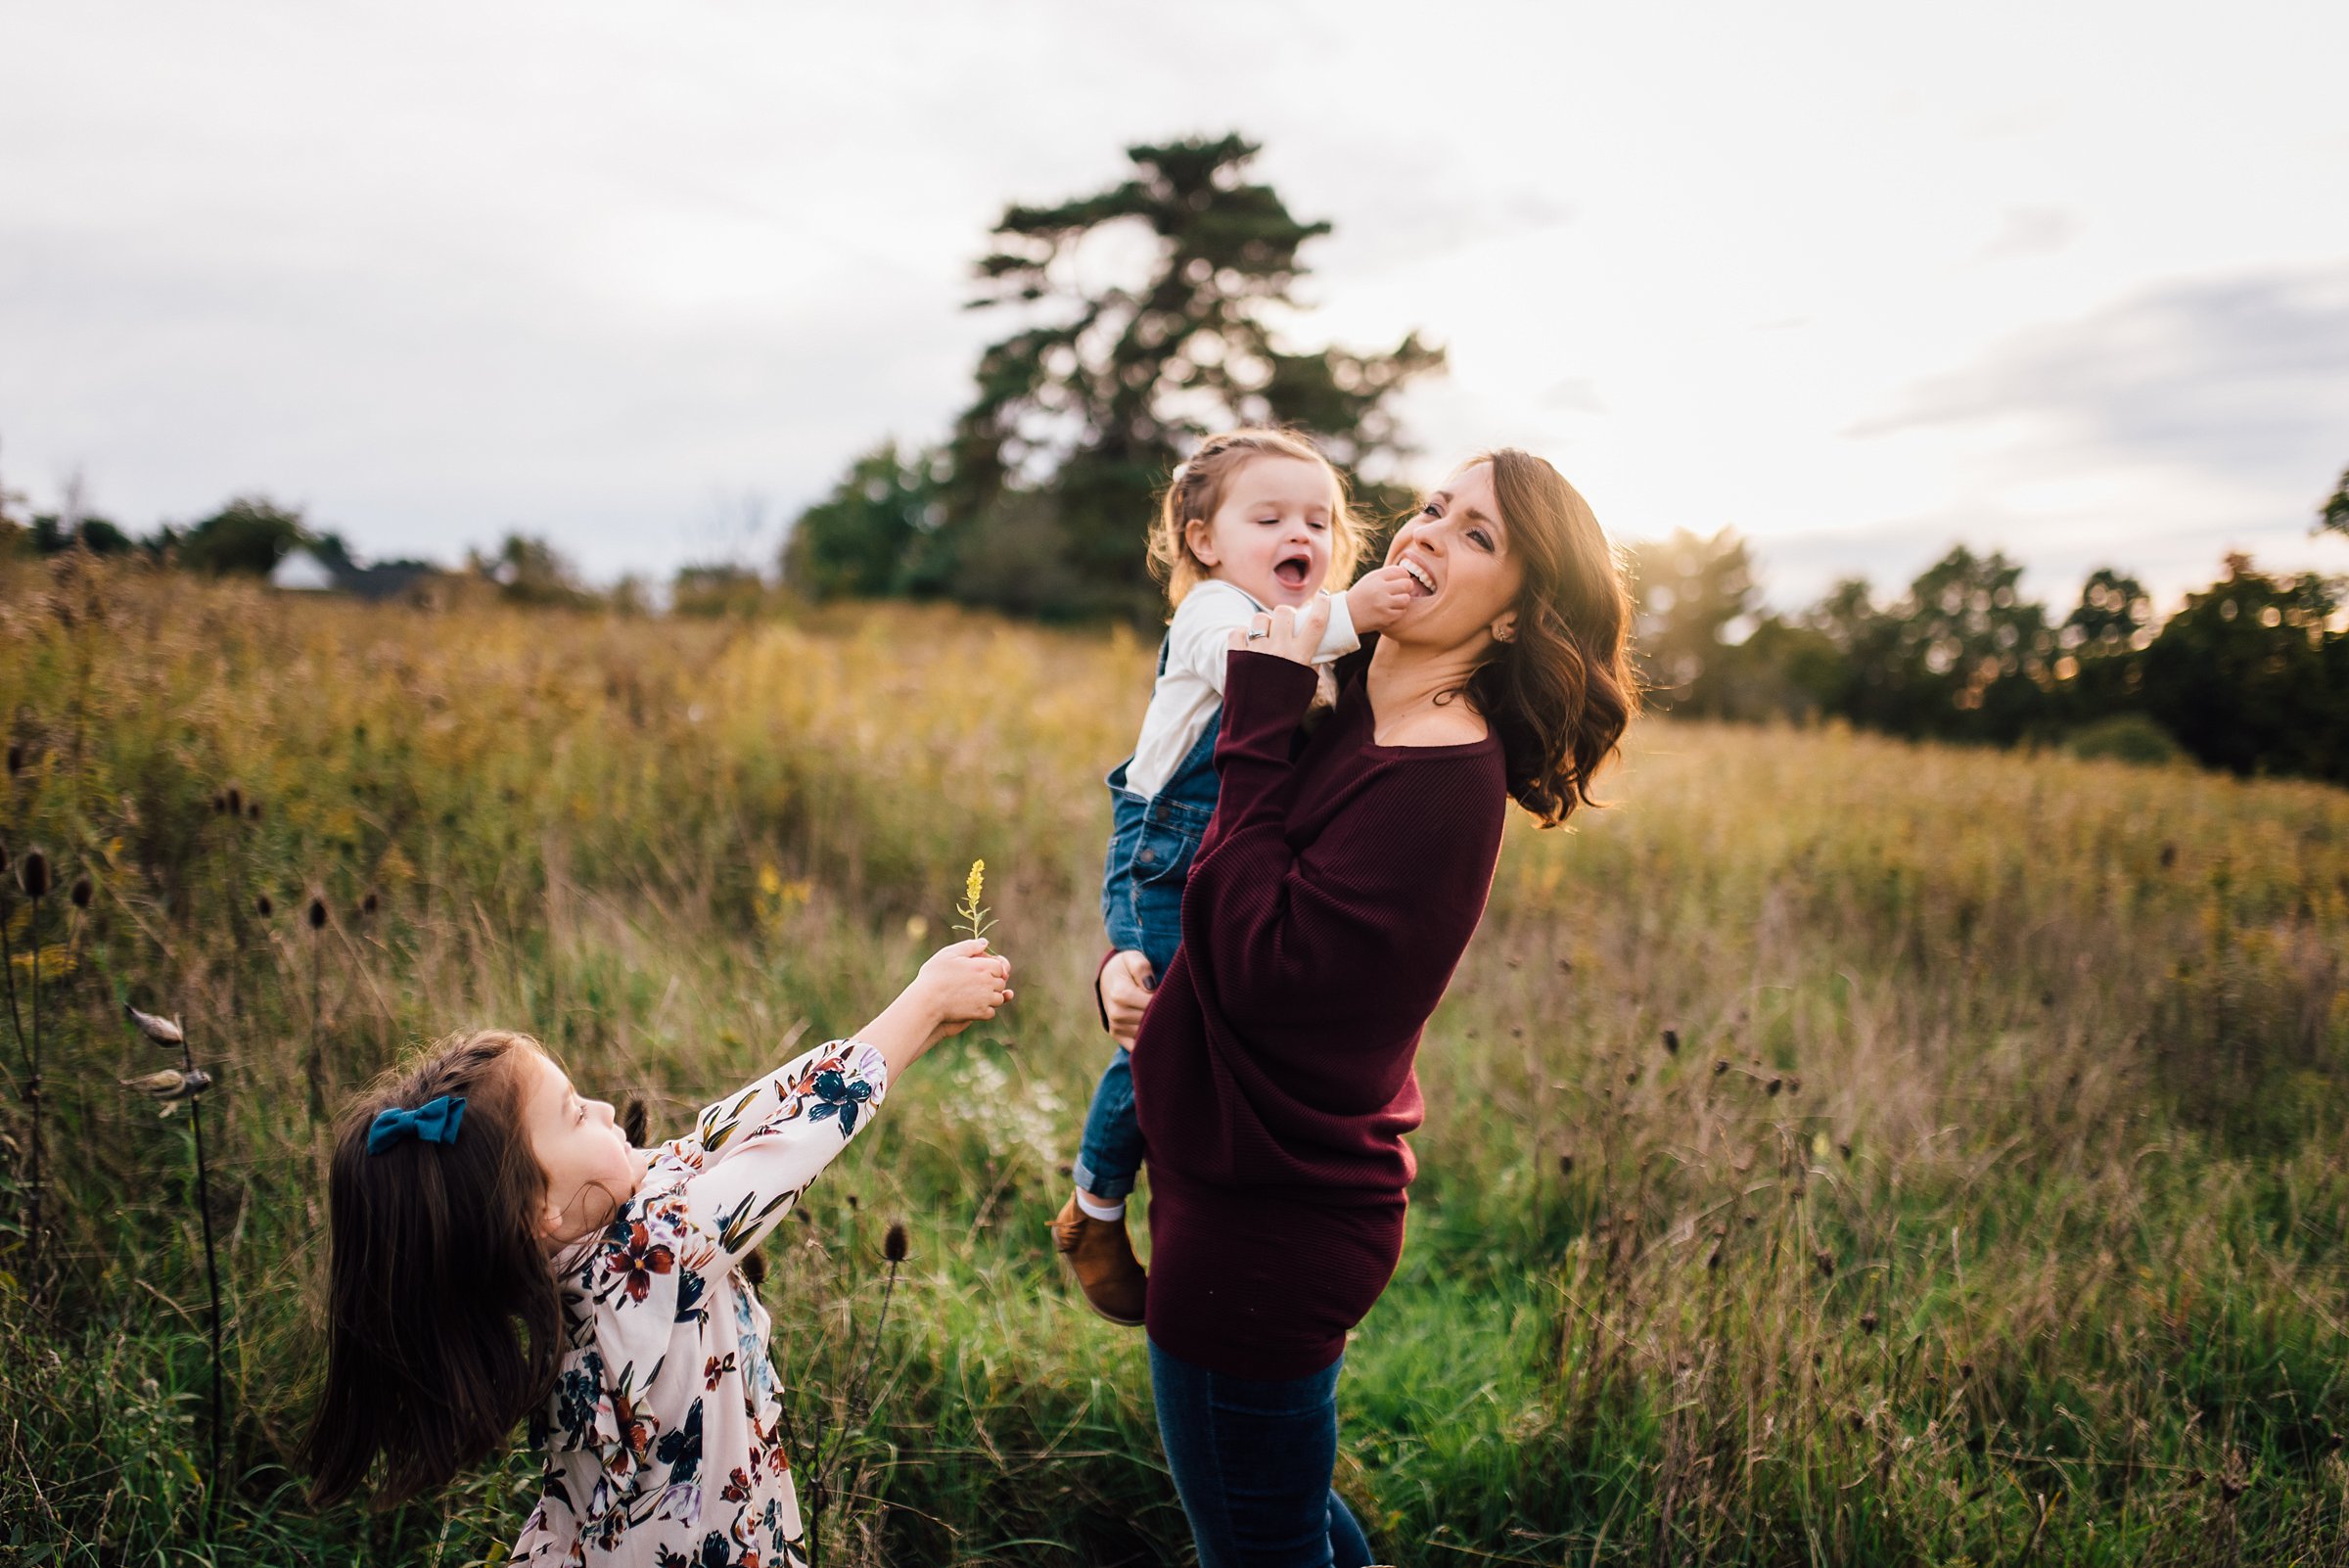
{"x":761,"y":1148}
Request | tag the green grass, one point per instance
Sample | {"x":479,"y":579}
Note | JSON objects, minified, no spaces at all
{"x":2059,"y":1046}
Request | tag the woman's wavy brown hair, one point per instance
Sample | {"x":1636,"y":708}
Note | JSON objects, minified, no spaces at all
{"x":1560,"y":692}
{"x":444,"y":1324}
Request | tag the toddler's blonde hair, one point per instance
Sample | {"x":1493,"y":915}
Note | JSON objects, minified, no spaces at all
{"x":1198,"y":487}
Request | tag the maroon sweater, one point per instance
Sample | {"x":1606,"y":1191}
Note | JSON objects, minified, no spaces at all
{"x":1330,"y":902}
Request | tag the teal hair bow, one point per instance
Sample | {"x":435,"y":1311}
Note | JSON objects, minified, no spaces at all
{"x":433,"y":1122}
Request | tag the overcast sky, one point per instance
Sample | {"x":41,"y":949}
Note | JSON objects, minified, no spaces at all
{"x":1858,"y":281}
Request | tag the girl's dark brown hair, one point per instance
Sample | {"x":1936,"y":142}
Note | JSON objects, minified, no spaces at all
{"x":1560,"y":692}
{"x":444,"y":1324}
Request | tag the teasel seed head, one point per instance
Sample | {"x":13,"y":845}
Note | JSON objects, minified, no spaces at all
{"x":15,"y":757}
{"x":1869,"y":1320}
{"x":1566,"y":1164}
{"x":1776,"y":1085}
{"x":219,"y":804}
{"x":1721,"y":1065}
{"x":236,"y":801}
{"x":82,"y":892}
{"x":370,"y":903}
{"x":1826,"y":1264}
{"x":892,"y":1245}
{"x":252,"y":811}
{"x":1672,"y":1043}
{"x":33,"y":873}
{"x":263,"y":906}
{"x":632,"y":1122}
{"x":853,"y":1204}
{"x":316,"y":913}
{"x":754,"y":1269}
{"x":161,"y":1031}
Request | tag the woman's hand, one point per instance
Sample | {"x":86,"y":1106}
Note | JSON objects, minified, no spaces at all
{"x":1125,"y":987}
{"x":1287,"y":633}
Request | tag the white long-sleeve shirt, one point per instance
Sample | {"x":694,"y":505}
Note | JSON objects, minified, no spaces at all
{"x":1191,"y":687}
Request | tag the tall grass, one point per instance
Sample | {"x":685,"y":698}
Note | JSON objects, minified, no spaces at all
{"x":1837,"y":1151}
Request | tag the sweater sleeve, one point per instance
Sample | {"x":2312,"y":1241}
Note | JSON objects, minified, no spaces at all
{"x":1339,"y":927}
{"x":1197,"y":638}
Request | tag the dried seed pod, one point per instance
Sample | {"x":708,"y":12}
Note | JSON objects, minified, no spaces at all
{"x":252,"y":811}
{"x":853,"y":1204}
{"x":82,"y":892}
{"x":15,"y":757}
{"x":892,"y":1245}
{"x":1869,"y":1321}
{"x":1826,"y":1262}
{"x":1672,"y":1043}
{"x":754,"y":1269}
{"x":219,"y":804}
{"x":1776,"y":1085}
{"x":33,"y":873}
{"x":370,"y":903}
{"x":236,"y":801}
{"x":1566,"y":1165}
{"x":1721,"y":1065}
{"x":316,"y":914}
{"x":161,"y":1031}
{"x":263,"y":906}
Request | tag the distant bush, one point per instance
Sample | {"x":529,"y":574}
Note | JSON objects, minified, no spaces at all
{"x":2125,"y":738}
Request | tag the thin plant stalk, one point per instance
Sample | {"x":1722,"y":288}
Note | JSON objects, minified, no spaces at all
{"x":212,"y":1277}
{"x":36,"y":1274}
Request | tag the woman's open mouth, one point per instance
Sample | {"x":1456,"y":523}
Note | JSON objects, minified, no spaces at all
{"x":1420,"y":581}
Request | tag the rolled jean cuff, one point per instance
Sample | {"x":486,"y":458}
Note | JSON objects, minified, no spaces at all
{"x":1112,"y":1185}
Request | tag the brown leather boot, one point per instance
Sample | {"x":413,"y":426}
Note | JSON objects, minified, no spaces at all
{"x":1113,"y":1279}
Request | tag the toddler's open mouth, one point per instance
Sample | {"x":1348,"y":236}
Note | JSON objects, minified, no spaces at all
{"x":1293,"y":572}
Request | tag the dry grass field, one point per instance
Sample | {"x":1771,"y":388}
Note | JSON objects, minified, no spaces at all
{"x":1838,"y":1151}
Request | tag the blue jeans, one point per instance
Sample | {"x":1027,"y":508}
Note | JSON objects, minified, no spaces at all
{"x":1112,"y":1151}
{"x":1251,"y":1462}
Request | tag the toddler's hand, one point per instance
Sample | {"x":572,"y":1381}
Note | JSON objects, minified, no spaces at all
{"x":962,"y":983}
{"x":1378,"y":599}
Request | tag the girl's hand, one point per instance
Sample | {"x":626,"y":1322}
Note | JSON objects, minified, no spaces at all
{"x":1379,"y":598}
{"x":1287,"y":633}
{"x":962,"y":983}
{"x":1125,"y":985}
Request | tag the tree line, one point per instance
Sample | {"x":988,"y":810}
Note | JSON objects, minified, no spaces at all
{"x":1119,"y":355}
{"x":2251,"y":674}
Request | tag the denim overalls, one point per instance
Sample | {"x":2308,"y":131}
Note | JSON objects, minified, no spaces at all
{"x":1152,"y":839}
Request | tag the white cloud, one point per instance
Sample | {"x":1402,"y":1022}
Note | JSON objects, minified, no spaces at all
{"x":443,"y":269}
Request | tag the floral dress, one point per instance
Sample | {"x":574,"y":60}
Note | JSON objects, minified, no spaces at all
{"x":662,"y":1437}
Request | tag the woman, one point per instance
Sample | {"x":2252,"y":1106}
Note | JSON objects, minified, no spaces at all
{"x":1331,"y":898}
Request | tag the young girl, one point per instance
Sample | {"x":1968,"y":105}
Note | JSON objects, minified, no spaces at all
{"x":1257,"y":519}
{"x":499,"y":1250}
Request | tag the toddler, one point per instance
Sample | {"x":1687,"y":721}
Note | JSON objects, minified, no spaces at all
{"x":499,"y":1250}
{"x":1257,"y":519}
